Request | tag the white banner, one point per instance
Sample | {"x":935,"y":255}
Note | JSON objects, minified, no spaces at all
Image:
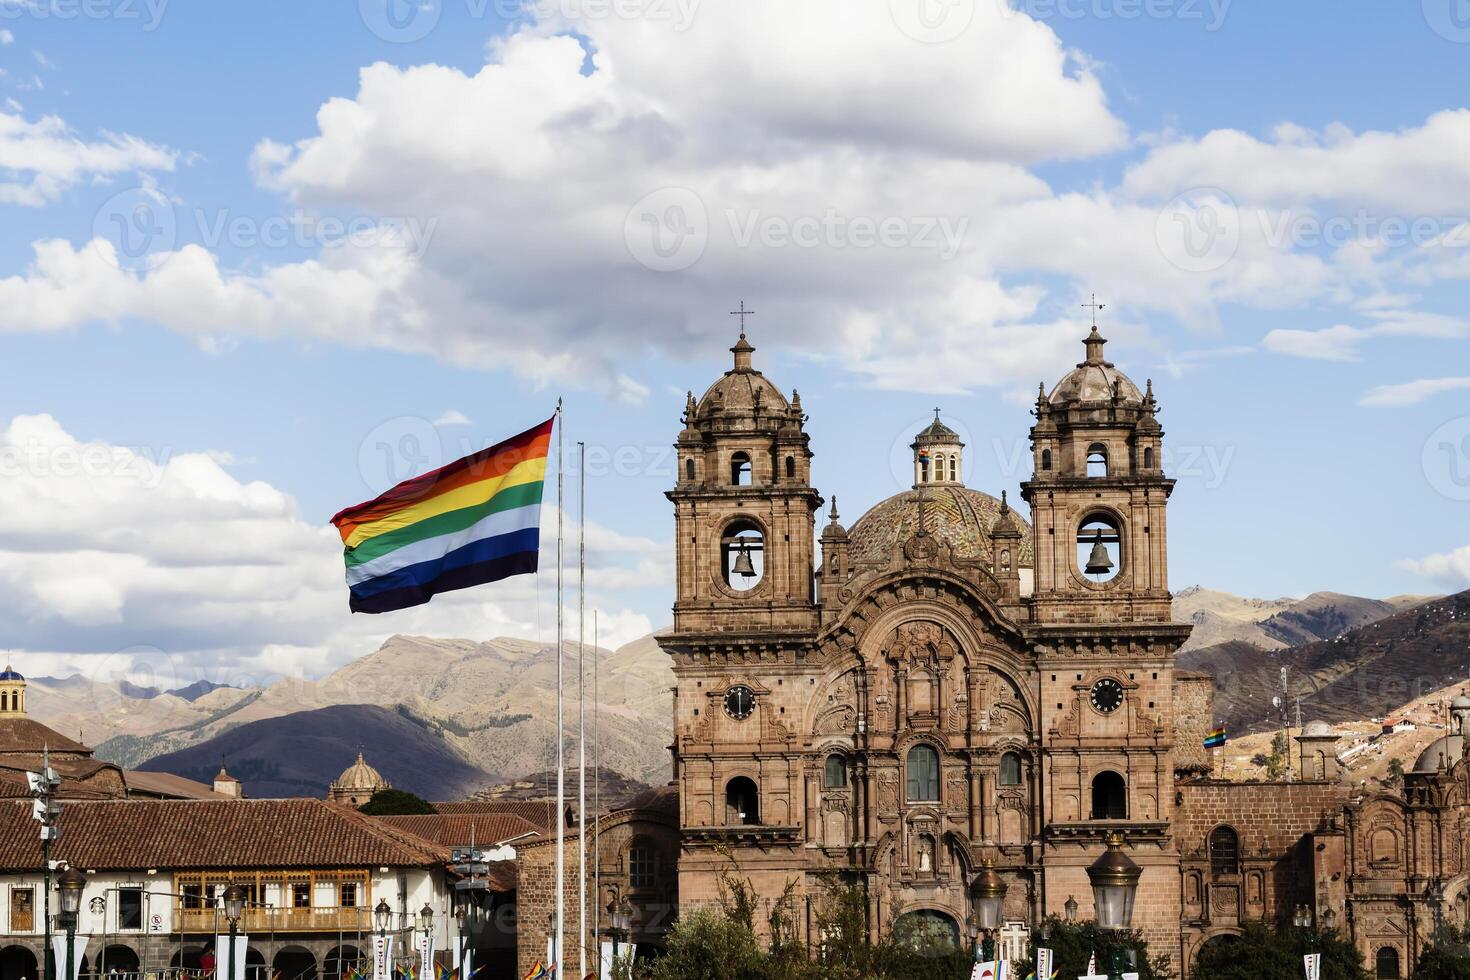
{"x":1044,"y":967}
{"x":464,"y":954}
{"x":605,"y":958}
{"x":1313,"y":964}
{"x":426,"y":956}
{"x":79,"y":949}
{"x":991,"y":970}
{"x":241,"y":945}
{"x":382,"y":958}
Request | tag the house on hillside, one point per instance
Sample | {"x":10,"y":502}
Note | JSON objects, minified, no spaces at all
{"x":156,"y":870}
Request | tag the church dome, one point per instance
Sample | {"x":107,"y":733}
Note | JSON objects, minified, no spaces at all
{"x":10,"y":674}
{"x":1444,"y":751}
{"x":955,"y":514}
{"x":360,"y":775}
{"x":1095,"y":379}
{"x":741,"y":390}
{"x":1317,"y":728}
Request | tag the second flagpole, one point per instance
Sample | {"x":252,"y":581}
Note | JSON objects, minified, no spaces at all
{"x":582,"y":710}
{"x":558,"y":948}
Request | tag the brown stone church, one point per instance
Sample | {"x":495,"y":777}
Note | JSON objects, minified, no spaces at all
{"x":954,"y":684}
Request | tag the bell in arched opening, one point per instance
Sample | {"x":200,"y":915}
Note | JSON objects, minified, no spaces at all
{"x":1099,"y":562}
{"x":743,"y":565}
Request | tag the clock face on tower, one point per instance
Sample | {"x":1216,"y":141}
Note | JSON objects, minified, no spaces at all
{"x":739,"y":702}
{"x":1107,"y":695}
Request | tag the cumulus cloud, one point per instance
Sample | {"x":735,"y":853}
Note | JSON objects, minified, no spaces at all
{"x":43,"y":158}
{"x":1451,"y":569}
{"x":1343,"y":343}
{"x":138,"y":553}
{"x":452,"y":417}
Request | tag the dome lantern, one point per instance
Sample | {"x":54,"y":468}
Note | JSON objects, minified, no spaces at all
{"x":938,"y":455}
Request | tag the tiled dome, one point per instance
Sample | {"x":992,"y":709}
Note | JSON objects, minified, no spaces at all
{"x":957,"y":515}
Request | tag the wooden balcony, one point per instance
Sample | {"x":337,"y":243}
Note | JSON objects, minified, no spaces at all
{"x":260,"y":921}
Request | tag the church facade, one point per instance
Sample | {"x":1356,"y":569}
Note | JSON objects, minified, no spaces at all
{"x":946,"y":684}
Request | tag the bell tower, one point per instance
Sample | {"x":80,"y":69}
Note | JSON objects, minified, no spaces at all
{"x":744,"y":507}
{"x":1099,"y":497}
{"x":12,"y":693}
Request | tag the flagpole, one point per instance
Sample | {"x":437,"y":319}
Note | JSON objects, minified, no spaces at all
{"x":561,"y":768}
{"x":582,"y":711}
{"x":596,"y":803}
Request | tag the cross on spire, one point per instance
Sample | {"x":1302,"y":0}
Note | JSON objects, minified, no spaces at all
{"x":742,"y":313}
{"x":936,"y":415}
{"x":1096,"y":308}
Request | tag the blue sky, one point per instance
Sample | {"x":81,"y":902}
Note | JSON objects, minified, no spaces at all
{"x":498,"y":267}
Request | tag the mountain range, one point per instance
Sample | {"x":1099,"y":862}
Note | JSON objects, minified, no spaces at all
{"x":481,"y":714}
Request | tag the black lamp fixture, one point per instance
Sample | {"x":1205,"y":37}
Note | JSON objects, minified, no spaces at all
{"x":1070,"y":908}
{"x":234,"y":900}
{"x":1114,"y":879}
{"x":989,"y":894}
{"x":383,"y":916}
{"x":426,"y":917}
{"x":69,"y":888}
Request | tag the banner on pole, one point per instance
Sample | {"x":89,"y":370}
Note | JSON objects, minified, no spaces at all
{"x":426,"y":956}
{"x":382,"y":957}
{"x":1313,"y":964}
{"x":991,"y":970}
{"x":242,"y":943}
{"x":79,"y":949}
{"x":1044,"y":968}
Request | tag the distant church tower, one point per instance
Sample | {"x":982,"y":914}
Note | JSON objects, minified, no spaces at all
{"x":357,"y":784}
{"x":12,"y":694}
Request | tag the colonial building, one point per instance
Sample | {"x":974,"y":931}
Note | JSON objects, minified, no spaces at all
{"x":156,"y":871}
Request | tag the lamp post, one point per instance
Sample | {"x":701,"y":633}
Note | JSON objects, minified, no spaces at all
{"x":1070,"y":908}
{"x":989,"y":894}
{"x":382,"y":918}
{"x":69,"y":891}
{"x":620,"y":915}
{"x":426,"y":927}
{"x":234,"y":908}
{"x":1114,"y":879}
{"x":1329,"y":919}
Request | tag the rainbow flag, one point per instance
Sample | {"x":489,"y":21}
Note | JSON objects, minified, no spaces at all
{"x":474,"y":521}
{"x":538,"y":972}
{"x":1215,"y":739}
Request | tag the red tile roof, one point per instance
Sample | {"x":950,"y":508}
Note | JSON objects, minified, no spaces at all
{"x":29,"y":735}
{"x":540,"y":813}
{"x":207,"y":834}
{"x":460,"y":829}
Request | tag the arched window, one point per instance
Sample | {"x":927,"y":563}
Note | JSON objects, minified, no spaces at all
{"x":689,"y":469}
{"x":1046,"y":459}
{"x":939,"y":467}
{"x":740,"y":469}
{"x":1148,"y":458}
{"x":1099,"y":548}
{"x":742,"y":802}
{"x":1010,"y":769}
{"x":1109,"y":797}
{"x":1386,"y":963}
{"x":743,"y":555}
{"x":790,"y":467}
{"x":1224,"y":851}
{"x":834,"y":774}
{"x":954,"y":469}
{"x":1097,"y":460}
{"x":642,"y":866}
{"x":923,"y":772}
{"x":1383,"y":846}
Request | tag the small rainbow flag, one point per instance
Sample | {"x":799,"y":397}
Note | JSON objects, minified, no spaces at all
{"x":538,"y":972}
{"x":1215,"y":739}
{"x":474,"y":521}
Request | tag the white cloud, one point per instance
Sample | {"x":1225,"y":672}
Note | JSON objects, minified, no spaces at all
{"x":155,"y":553}
{"x":1451,"y":569}
{"x":1343,"y":342}
{"x":1411,"y":392}
{"x":44,"y":158}
{"x":452,"y":416}
{"x":6,"y":37}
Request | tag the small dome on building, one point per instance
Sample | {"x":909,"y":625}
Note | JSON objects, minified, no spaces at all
{"x":1096,"y":380}
{"x":10,"y":674}
{"x":1442,"y":753}
{"x":1318,"y":729}
{"x":1461,"y":703}
{"x":960,"y":517}
{"x":742,"y":390}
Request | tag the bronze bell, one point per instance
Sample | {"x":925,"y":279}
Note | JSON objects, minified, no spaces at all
{"x":1098,"y":563}
{"x":743,"y":566}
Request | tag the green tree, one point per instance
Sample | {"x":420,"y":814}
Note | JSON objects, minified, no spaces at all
{"x":1072,"y":944}
{"x":1280,"y":757}
{"x":707,"y":943}
{"x":394,"y":803}
{"x":1263,"y":952}
{"x":1395,"y":771}
{"x":1447,"y":957}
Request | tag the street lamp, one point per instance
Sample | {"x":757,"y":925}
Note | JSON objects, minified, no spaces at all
{"x":383,"y":916}
{"x":1114,"y":879}
{"x":620,"y":914}
{"x":989,"y":893}
{"x":1329,"y":919}
{"x":69,"y":890}
{"x":234,"y":908}
{"x":1070,"y":908}
{"x":426,"y":918}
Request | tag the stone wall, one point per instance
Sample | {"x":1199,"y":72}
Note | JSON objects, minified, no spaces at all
{"x":1194,"y":717}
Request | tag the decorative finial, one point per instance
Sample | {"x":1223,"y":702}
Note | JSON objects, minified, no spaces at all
{"x":834,"y":508}
{"x":1096,"y":308}
{"x":1005,"y":507}
{"x":689,"y":408}
{"x":936,"y":415}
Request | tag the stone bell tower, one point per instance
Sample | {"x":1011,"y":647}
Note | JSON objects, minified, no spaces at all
{"x":744,"y":507}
